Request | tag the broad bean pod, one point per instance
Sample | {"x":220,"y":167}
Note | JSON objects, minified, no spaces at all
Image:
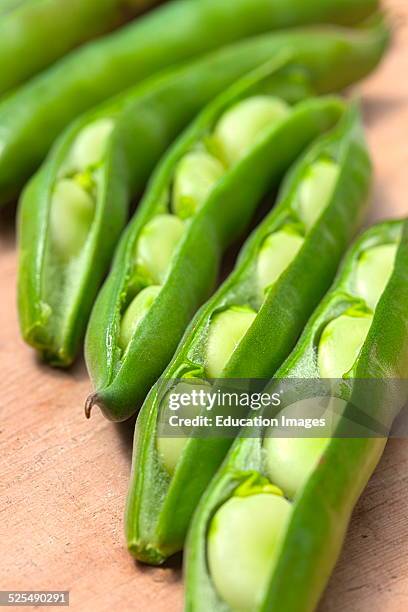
{"x":200,"y":200}
{"x":247,"y":329}
{"x":56,"y":293}
{"x":35,"y":33}
{"x":65,"y":245}
{"x":284,"y":504}
{"x":33,"y":116}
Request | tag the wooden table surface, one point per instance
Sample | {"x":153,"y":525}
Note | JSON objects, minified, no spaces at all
{"x":63,"y":479}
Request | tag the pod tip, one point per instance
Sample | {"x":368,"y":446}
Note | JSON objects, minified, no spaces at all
{"x":91,"y":400}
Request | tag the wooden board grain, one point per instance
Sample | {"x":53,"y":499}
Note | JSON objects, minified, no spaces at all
{"x":63,"y":479}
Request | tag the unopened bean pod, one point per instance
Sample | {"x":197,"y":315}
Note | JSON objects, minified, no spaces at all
{"x":270,"y":527}
{"x":60,"y":269}
{"x":34,"y":34}
{"x":247,"y":329}
{"x":33,"y":116}
{"x":200,"y":200}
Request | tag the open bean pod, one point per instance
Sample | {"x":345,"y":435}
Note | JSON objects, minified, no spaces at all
{"x":200,"y":200}
{"x":270,"y":527}
{"x":247,"y":329}
{"x":143,"y":122}
{"x":72,"y":212}
{"x":33,"y":116}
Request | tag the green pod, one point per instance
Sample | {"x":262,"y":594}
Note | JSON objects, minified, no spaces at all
{"x":321,"y":479}
{"x":162,"y":498}
{"x":33,"y":116}
{"x":146,"y":119}
{"x":122,"y":378}
{"x":35,"y":34}
{"x":59,"y":276}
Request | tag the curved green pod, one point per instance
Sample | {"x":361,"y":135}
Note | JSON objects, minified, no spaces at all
{"x":36,"y":33}
{"x":345,"y":12}
{"x":168,"y":478}
{"x":145,"y":120}
{"x":112,"y":150}
{"x":122,"y":378}
{"x":321,"y":479}
{"x":33,"y":116}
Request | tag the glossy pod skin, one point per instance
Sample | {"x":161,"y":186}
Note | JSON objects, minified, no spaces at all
{"x":6,"y":6}
{"x":103,"y":68}
{"x":163,"y":497}
{"x":9,"y":5}
{"x":122,"y":378}
{"x":145,"y":120}
{"x":35,"y":33}
{"x":324,"y":486}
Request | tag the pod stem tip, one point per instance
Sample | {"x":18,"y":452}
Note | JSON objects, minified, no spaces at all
{"x":91,"y":400}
